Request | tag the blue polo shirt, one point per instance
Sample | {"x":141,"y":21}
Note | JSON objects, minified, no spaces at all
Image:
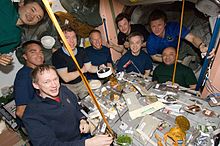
{"x":97,"y":58}
{"x":142,"y":62}
{"x":23,"y":88}
{"x":156,"y":45}
{"x":53,"y":123}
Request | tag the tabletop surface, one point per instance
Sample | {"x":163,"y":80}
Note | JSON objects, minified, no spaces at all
{"x":111,"y":96}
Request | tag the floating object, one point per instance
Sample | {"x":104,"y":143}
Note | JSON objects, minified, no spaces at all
{"x":47,"y":42}
{"x":178,"y":133}
{"x":95,"y":84}
{"x":104,"y":72}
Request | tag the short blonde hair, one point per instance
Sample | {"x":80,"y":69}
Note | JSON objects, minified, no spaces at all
{"x":40,"y":69}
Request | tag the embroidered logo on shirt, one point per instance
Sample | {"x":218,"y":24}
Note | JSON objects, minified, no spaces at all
{"x":169,"y":38}
{"x":68,"y":100}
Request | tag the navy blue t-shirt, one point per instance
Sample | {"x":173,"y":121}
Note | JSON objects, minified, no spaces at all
{"x":97,"y":58}
{"x":142,"y":62}
{"x":61,"y":60}
{"x":122,"y":38}
{"x":23,"y":88}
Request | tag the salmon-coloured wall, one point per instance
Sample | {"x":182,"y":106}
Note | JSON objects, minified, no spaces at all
{"x":107,"y":13}
{"x":214,"y":74}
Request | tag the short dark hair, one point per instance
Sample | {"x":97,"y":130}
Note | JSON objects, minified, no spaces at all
{"x":67,"y":28}
{"x":36,"y":1}
{"x":170,"y":48}
{"x":133,"y":34}
{"x":94,"y":31}
{"x":122,"y":16}
{"x":25,"y":45}
{"x":40,"y":69}
{"x":40,"y":4}
{"x":157,"y":14}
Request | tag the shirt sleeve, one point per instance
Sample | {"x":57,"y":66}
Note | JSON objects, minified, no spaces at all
{"x":85,"y":56}
{"x":58,"y":60}
{"x":109,"y":60}
{"x":151,"y":45}
{"x":121,"y":39}
{"x":23,"y":90}
{"x":148,"y":64}
{"x":121,"y":63}
{"x":41,"y":134}
{"x":155,"y":76}
{"x":176,"y":28}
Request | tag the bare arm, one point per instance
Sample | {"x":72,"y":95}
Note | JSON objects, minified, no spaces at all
{"x":118,"y":48}
{"x":20,"y":110}
{"x":197,"y":42}
{"x":110,"y":65}
{"x":91,"y":68}
{"x":193,"y":87}
{"x":146,"y":73}
{"x":157,"y":57}
{"x":68,"y":76}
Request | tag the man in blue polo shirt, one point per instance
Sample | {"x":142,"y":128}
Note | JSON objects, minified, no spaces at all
{"x":23,"y":89}
{"x":29,"y":12}
{"x":98,"y":54}
{"x":135,"y":59}
{"x":53,"y":117}
{"x":165,"y":34}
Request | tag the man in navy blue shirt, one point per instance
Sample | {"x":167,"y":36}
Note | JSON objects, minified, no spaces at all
{"x":135,"y":59}
{"x":53,"y":118}
{"x":98,"y":54}
{"x":66,"y":67}
{"x":165,"y":34}
{"x":23,"y":89}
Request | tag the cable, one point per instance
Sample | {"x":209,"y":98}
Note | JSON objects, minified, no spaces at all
{"x":136,"y":67}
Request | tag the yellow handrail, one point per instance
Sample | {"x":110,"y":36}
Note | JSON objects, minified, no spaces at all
{"x":57,"y":26}
{"x":178,"y":45}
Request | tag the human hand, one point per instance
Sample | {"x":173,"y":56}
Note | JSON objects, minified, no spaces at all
{"x":99,"y":140}
{"x":126,"y":44}
{"x":212,"y":53}
{"x":203,"y":48}
{"x":171,"y":84}
{"x":102,"y":66}
{"x":109,"y":45}
{"x":5,"y":59}
{"x":84,"y":126}
{"x":84,"y":69}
